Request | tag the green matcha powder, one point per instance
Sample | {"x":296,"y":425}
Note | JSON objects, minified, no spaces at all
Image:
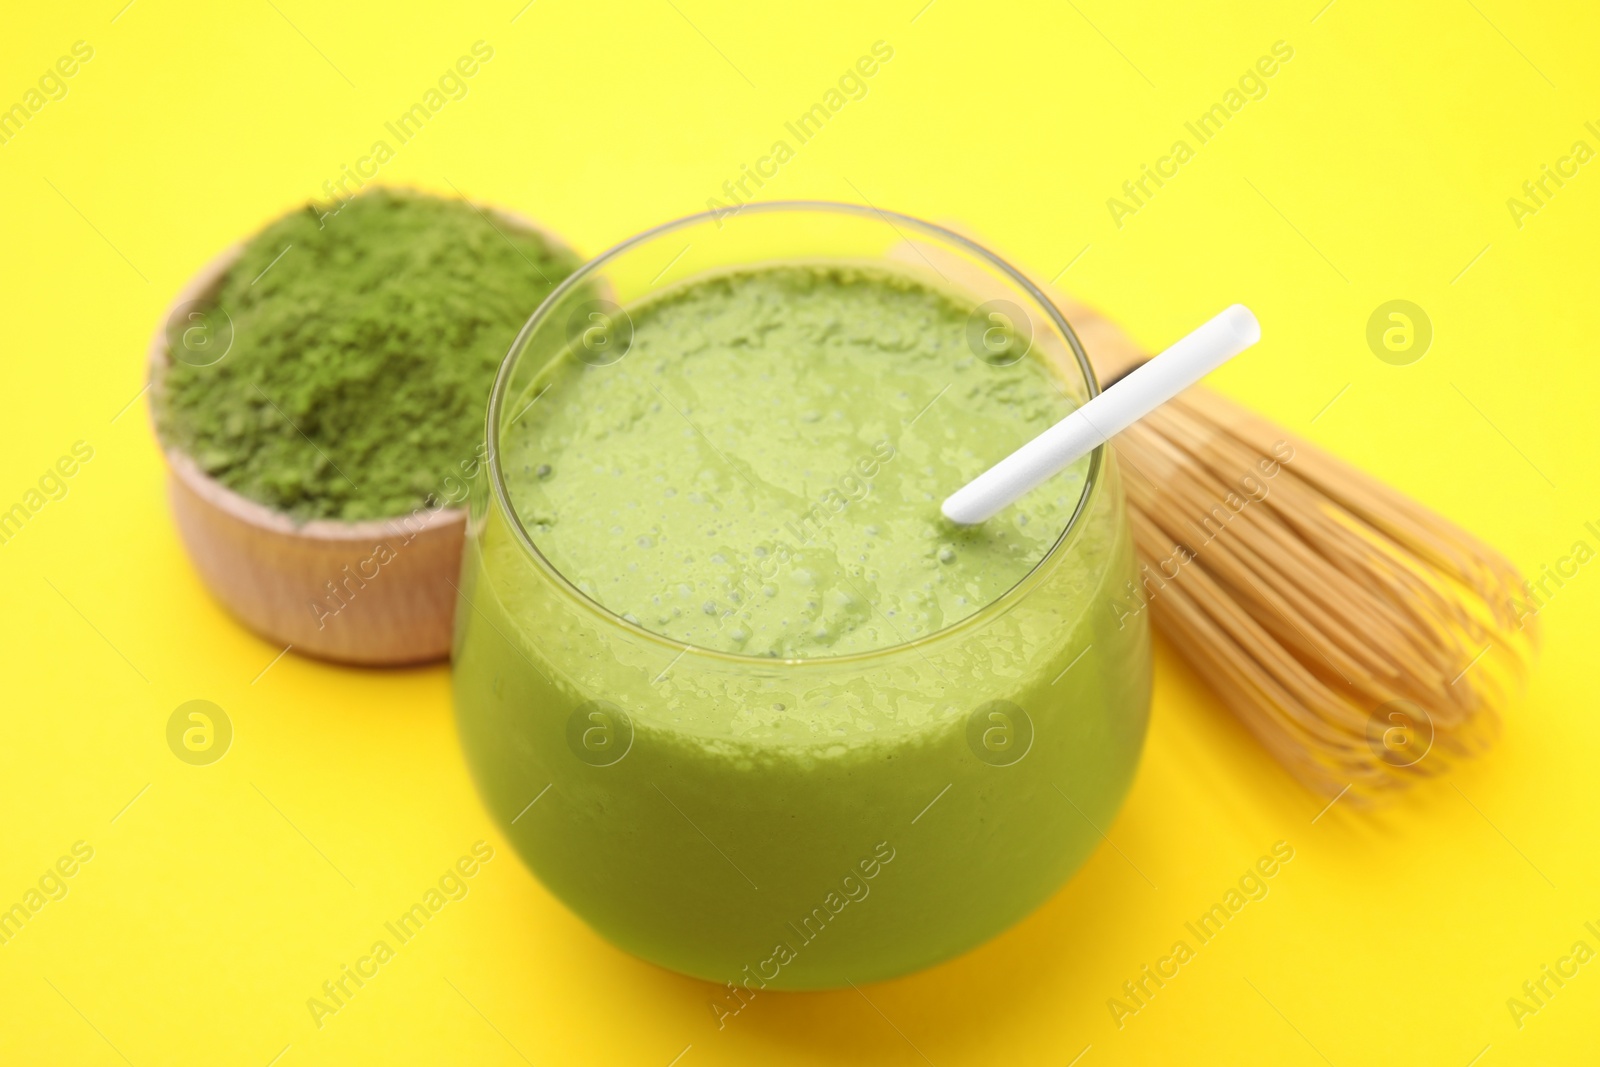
{"x":364,"y":347}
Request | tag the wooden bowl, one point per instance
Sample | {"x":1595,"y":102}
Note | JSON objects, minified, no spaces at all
{"x":374,"y":593}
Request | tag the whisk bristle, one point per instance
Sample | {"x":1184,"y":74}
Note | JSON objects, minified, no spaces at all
{"x":1363,"y":639}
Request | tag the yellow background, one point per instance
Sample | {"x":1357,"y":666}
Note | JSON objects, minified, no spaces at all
{"x":1378,"y":167}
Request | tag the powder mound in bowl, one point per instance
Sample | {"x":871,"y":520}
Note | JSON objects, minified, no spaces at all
{"x":364,"y":348}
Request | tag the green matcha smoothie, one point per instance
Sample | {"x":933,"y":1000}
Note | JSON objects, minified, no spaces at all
{"x":753,"y":708}
{"x":762,"y":472}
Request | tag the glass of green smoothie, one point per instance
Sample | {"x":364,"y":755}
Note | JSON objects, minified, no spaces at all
{"x":731,"y":685}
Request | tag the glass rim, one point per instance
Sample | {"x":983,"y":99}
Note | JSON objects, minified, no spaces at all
{"x":996,"y":607}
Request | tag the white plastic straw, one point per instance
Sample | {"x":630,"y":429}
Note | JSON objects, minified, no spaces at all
{"x":1141,"y":392}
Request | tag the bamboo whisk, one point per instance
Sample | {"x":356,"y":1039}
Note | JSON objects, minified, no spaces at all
{"x":1363,"y":639}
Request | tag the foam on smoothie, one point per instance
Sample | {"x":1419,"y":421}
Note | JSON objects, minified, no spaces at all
{"x":761,"y":472}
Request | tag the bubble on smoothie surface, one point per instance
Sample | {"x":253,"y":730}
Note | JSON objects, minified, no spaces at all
{"x":784,"y":500}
